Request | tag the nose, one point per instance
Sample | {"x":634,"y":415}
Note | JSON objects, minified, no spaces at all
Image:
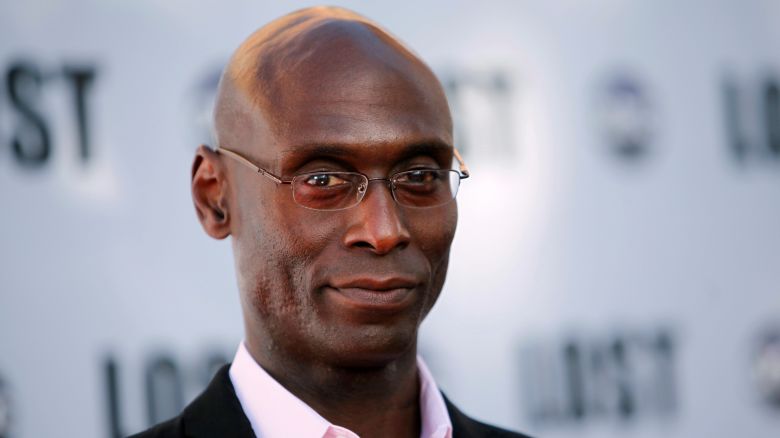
{"x":376,"y":222}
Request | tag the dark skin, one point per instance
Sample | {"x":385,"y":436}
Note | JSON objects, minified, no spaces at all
{"x":325,"y":89}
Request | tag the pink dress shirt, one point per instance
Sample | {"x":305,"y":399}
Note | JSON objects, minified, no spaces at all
{"x":275,"y":412}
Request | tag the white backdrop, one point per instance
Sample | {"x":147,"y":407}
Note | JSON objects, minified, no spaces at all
{"x":615,"y":272}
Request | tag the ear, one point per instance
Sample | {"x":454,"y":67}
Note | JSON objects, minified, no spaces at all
{"x":209,"y":193}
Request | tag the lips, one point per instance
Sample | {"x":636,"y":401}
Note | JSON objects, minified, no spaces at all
{"x":376,"y":294}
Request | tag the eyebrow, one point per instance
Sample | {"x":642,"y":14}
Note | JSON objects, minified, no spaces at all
{"x":431,"y":147}
{"x":428,"y":148}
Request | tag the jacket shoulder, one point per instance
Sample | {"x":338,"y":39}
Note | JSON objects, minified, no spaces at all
{"x":465,"y":426}
{"x":167,"y":429}
{"x":216,"y":412}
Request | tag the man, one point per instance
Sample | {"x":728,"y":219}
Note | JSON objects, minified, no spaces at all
{"x":333,"y":175}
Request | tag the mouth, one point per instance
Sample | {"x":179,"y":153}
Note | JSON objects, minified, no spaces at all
{"x":378,"y":295}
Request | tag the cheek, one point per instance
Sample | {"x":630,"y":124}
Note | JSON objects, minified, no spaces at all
{"x":274,"y":250}
{"x":434,"y":233}
{"x":434,"y":237}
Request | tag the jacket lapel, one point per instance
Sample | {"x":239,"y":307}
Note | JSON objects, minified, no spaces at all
{"x":216,"y":412}
{"x":462,"y":426}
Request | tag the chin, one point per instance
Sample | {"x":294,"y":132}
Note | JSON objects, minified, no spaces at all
{"x":374,"y":347}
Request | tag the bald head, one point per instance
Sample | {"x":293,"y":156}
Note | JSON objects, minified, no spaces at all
{"x":325,"y":54}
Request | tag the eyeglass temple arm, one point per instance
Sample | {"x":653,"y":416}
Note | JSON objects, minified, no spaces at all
{"x":244,"y":161}
{"x":464,"y":170}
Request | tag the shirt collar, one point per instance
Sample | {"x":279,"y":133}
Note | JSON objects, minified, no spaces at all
{"x":435,"y":419}
{"x":275,"y":412}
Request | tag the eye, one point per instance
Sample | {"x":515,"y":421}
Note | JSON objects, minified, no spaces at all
{"x":418,"y":176}
{"x":324,"y":180}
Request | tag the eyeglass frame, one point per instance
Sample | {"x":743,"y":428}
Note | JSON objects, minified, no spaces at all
{"x":463,"y":173}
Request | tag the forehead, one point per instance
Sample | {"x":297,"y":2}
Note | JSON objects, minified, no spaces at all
{"x":370,"y":129}
{"x":360,"y":126}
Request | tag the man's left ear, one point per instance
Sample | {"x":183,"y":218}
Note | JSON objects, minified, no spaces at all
{"x":209,"y":184}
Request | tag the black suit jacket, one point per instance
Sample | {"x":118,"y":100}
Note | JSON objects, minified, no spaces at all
{"x":217,"y":413}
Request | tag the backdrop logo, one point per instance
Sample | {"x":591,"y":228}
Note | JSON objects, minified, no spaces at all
{"x":169,"y":381}
{"x":29,"y":88}
{"x":620,"y":376}
{"x":766,"y":366}
{"x":752,"y":111}
{"x":482,"y":103}
{"x":625,"y":117}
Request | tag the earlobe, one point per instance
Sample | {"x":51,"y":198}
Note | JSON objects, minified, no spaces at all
{"x":209,"y":188}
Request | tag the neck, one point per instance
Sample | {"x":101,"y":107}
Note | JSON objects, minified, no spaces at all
{"x":378,"y":401}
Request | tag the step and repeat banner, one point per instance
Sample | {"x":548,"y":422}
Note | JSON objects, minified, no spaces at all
{"x":616,"y":271}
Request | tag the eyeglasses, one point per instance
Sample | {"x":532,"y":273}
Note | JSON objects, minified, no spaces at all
{"x":417,"y":188}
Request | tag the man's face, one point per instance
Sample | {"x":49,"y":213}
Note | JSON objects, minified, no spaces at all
{"x":347,"y":287}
